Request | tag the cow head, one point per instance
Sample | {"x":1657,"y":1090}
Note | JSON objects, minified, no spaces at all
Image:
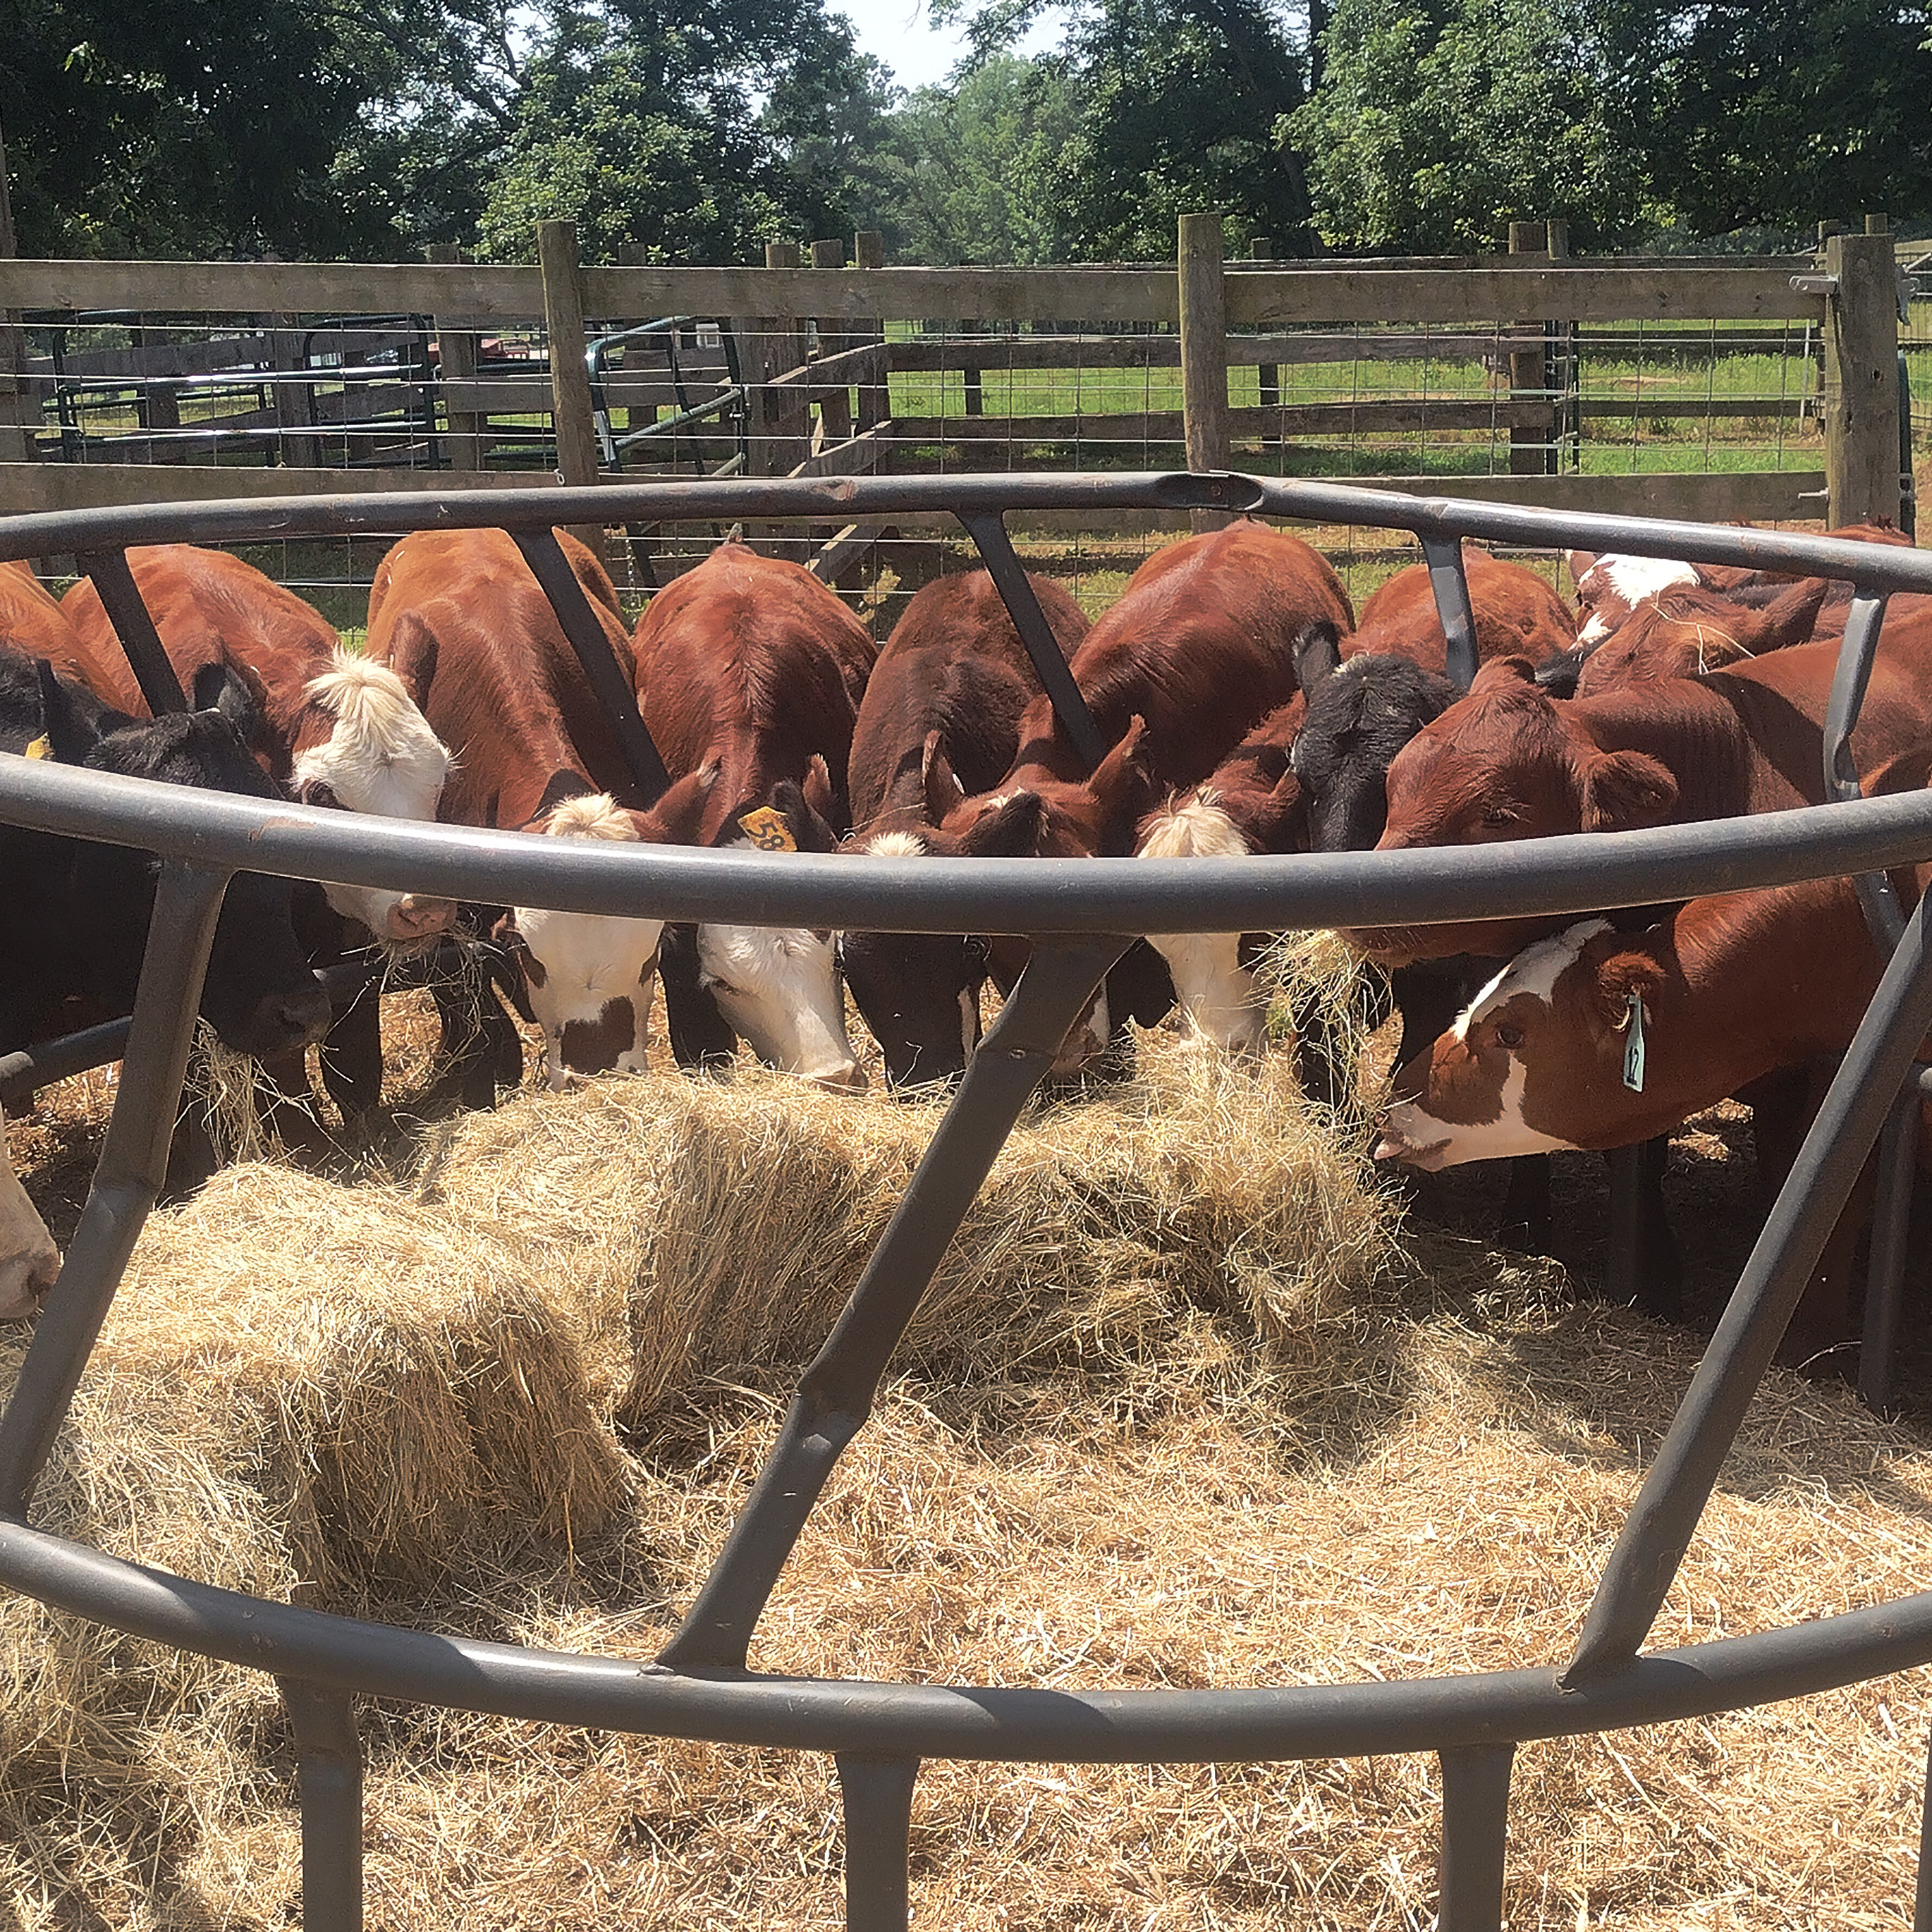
{"x":589,"y":977}
{"x":1539,"y":1060}
{"x":258,"y":994}
{"x":29,"y":1259}
{"x":360,"y":743}
{"x":778,"y":987}
{"x":1609,"y":587}
{"x":1508,"y":762}
{"x":1360,"y":715}
{"x":1684,"y":632}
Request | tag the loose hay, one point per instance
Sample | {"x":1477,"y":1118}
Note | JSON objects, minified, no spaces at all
{"x":1181,"y":1411}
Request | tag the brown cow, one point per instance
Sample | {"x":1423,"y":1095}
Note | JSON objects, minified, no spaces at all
{"x":1687,"y":632}
{"x":1200,"y":647}
{"x":941,"y":718}
{"x":1517,"y":614}
{"x":31,"y":621}
{"x":458,"y":616}
{"x":1595,"y":1038}
{"x":1509,"y":762}
{"x":753,"y":667}
{"x":336,"y":729}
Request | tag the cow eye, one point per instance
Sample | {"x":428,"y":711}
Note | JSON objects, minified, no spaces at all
{"x":1509,"y":1036}
{"x":1497,"y":814}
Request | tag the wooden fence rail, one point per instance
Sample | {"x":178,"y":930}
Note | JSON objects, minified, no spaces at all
{"x":812,"y":351}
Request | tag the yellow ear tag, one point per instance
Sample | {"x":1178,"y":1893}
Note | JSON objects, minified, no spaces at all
{"x":766,"y":829}
{"x":41,"y":748}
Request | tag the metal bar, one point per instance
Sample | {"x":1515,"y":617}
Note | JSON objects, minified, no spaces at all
{"x":1458,"y":617}
{"x":133,"y":1164}
{"x":329,"y":1756}
{"x":1665,"y":1516}
{"x":877,"y":1794}
{"x":568,"y":599}
{"x":1876,"y":898}
{"x":1624,"y":1248}
{"x":1581,"y":872}
{"x":835,"y":1396}
{"x":134,"y":627}
{"x":1921,"y":1894}
{"x":988,"y":532}
{"x":1475,"y":1830}
{"x":1885,"y":1276}
{"x":46,"y":533}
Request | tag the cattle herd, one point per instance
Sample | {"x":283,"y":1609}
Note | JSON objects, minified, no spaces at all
{"x":1246,"y":711}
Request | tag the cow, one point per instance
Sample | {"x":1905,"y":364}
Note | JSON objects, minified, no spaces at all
{"x":751,"y":665}
{"x":459,"y":619}
{"x":1688,"y":632}
{"x":1595,"y":1037}
{"x":336,"y":728}
{"x":1200,"y":647}
{"x":1516,"y":614}
{"x":1509,"y":762}
{"x":29,"y":1259}
{"x":31,"y":621}
{"x":74,"y":922}
{"x":940,"y":718}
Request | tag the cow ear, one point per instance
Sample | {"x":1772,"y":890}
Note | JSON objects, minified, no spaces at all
{"x":1503,"y":674}
{"x":507,"y":934}
{"x":1622,"y":972}
{"x":939,"y":782}
{"x":810,"y":830}
{"x":1280,"y":823}
{"x":1120,"y":775}
{"x":1318,"y":654}
{"x":413,"y":654}
{"x":1623,"y":790}
{"x":1010,"y":830}
{"x":221,"y":689}
{"x":1581,"y":562}
{"x":678,"y":817}
{"x":818,"y":788}
{"x":1789,"y":619}
{"x":69,"y":736}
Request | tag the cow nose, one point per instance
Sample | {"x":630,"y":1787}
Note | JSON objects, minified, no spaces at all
{"x":300,"y":1018}
{"x":417,"y":915}
{"x":850,"y":1078}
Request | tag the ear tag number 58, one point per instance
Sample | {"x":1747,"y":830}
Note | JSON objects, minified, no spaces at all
{"x":766,"y":829}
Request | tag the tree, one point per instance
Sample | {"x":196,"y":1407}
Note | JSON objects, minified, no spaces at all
{"x":1175,"y":101}
{"x":196,"y":127}
{"x":642,"y":120}
{"x":1436,"y":125}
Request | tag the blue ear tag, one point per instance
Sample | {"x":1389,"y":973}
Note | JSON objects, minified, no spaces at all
{"x":1633,"y":1028}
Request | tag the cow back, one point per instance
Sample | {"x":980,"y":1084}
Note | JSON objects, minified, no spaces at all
{"x":1516,"y":614}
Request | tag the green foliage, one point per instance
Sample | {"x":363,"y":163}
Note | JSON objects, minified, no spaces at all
{"x":1435,"y":126}
{"x":981,"y":167}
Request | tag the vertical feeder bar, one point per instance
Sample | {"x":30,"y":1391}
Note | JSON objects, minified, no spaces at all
{"x":1922,"y":1895}
{"x":571,"y":416}
{"x":876,"y":1794}
{"x":140,"y":642}
{"x":1876,"y":898}
{"x":328,"y":1756}
{"x":1861,"y":337}
{"x":1453,"y":610}
{"x":1475,"y":1832}
{"x":1892,"y":1219}
{"x":568,"y":599}
{"x":988,"y":529}
{"x":132,"y":1165}
{"x":835,"y":1396}
{"x":1203,"y":352}
{"x":1632,"y":1168}
{"x":1665,"y":1515}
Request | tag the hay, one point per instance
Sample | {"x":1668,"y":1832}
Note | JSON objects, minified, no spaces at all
{"x":1183,"y":1409}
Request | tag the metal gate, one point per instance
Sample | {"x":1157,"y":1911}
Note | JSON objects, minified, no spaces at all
{"x":1078,"y":915}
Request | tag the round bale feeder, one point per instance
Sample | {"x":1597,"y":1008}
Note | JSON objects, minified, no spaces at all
{"x":878,"y":1733}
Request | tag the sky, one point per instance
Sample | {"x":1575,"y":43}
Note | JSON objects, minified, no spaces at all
{"x":900,"y":34}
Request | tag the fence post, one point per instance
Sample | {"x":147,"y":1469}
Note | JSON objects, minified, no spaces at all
{"x":868,"y":251}
{"x":1261,"y":249}
{"x":15,"y":414}
{"x":787,"y":420}
{"x":1861,"y":338}
{"x":1529,"y":369}
{"x":456,"y":360}
{"x":835,"y":404}
{"x":1203,"y":351}
{"x":569,"y":375}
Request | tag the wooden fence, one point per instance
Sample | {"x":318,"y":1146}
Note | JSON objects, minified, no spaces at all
{"x":437,"y":374}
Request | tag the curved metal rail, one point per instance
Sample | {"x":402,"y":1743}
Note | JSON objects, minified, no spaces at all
{"x":1080,"y":916}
